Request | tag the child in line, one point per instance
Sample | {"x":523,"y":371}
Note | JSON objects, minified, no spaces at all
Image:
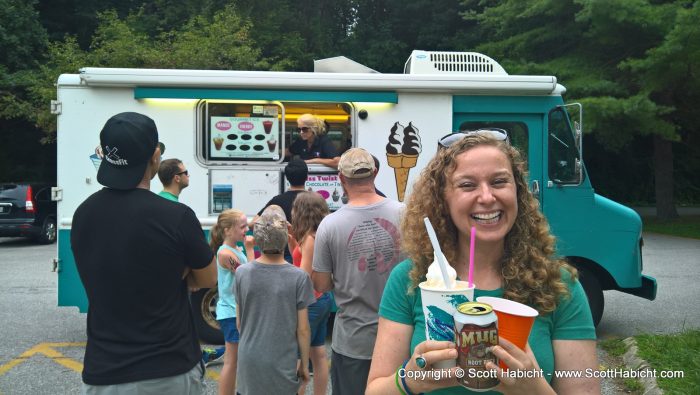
{"x":308,"y":210}
{"x":273,"y":321}
{"x":230,"y":229}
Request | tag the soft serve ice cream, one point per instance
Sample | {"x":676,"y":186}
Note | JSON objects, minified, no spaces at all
{"x":434,"y":276}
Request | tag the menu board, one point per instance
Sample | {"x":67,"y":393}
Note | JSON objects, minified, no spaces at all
{"x":244,"y":138}
{"x":328,"y":186}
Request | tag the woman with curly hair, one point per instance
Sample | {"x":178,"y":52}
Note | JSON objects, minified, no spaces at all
{"x":308,"y":210}
{"x":477,"y":179}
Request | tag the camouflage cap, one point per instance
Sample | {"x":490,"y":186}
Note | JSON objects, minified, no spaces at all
{"x":270,"y":231}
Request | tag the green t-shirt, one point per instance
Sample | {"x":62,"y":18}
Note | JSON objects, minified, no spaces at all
{"x":168,"y":196}
{"x":570,"y":321}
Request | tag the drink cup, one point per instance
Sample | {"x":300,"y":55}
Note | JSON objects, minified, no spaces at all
{"x":218,"y":142}
{"x":272,"y":144}
{"x":268,"y":126}
{"x":514,"y":320}
{"x":439,"y":306}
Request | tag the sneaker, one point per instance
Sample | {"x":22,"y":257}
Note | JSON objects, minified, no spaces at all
{"x":213,"y":356}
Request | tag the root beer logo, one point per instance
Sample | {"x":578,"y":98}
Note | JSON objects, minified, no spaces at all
{"x":475,"y":342}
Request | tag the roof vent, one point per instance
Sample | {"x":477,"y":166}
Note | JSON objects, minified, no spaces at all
{"x":438,"y":62}
{"x":340,"y":64}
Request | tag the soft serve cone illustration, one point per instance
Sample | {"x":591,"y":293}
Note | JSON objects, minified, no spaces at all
{"x":402,"y":156}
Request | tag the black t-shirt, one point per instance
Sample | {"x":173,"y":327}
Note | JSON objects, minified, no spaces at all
{"x":284,"y":200}
{"x":131,"y":249}
{"x":322,"y":147}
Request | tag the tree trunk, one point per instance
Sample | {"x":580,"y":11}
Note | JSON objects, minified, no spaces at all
{"x":663,"y":178}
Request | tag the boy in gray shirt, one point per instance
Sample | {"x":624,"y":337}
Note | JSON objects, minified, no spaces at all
{"x":272,"y":298}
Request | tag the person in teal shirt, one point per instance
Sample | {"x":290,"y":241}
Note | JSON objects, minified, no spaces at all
{"x":477,"y":179}
{"x":174,"y":177}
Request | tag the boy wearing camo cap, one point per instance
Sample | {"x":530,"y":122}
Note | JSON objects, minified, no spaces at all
{"x":272,"y":298}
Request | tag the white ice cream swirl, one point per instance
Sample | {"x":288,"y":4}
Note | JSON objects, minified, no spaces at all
{"x":434,"y":275}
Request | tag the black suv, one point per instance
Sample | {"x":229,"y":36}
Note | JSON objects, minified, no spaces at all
{"x":26,"y":209}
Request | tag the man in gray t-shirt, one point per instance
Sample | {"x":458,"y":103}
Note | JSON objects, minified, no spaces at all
{"x":355,"y":249}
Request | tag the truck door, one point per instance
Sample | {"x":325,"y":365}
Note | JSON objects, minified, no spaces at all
{"x":524,"y":132}
{"x":566,"y":190}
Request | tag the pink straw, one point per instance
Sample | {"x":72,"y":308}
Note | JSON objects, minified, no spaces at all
{"x":471,"y":256}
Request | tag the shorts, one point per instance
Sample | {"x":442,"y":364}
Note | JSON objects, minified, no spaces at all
{"x":190,"y":383}
{"x":228,"y":327}
{"x":319,"y":312}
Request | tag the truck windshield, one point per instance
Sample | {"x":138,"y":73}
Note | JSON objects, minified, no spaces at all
{"x":564,"y":160}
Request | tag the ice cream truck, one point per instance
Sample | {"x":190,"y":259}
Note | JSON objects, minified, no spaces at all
{"x":231,"y":128}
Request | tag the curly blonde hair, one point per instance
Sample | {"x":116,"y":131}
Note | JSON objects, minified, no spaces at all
{"x":531,"y":274}
{"x":308,"y":210}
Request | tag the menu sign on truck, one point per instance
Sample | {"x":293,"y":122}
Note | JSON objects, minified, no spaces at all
{"x":244,"y":138}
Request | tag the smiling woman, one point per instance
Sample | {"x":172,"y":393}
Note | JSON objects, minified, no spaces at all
{"x":479,"y":180}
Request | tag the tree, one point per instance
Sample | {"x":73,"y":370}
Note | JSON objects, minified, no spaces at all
{"x":220,"y":42}
{"x":602,"y":50}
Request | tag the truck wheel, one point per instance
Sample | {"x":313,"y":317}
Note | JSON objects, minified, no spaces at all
{"x":204,"y":310}
{"x":47,"y":235}
{"x":594,"y":293}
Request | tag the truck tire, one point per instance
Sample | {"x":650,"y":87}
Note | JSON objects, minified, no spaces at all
{"x":47,"y":235}
{"x":594,"y":293}
{"x":204,"y":311}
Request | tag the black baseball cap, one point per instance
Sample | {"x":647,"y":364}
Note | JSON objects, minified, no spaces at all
{"x":128,"y":141}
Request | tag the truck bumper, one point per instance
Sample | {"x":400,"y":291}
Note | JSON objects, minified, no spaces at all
{"x":647,"y":290}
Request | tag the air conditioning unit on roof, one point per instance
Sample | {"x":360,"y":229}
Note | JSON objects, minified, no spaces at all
{"x":439,"y":62}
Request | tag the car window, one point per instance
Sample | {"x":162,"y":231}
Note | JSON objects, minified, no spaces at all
{"x":11,"y":192}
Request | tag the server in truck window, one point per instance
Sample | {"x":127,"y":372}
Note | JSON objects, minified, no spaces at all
{"x":313,"y":145}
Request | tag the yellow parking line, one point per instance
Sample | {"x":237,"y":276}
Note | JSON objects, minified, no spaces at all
{"x":47,"y":350}
{"x":212,"y":374}
{"x":4,"y":368}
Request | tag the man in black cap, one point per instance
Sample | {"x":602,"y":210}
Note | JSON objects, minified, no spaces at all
{"x":296,"y":172}
{"x":136,"y":254}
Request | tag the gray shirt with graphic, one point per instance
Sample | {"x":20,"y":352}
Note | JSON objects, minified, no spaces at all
{"x":359,"y":246}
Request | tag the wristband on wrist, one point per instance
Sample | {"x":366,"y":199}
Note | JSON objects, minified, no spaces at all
{"x":403,"y":381}
{"x":396,"y":380}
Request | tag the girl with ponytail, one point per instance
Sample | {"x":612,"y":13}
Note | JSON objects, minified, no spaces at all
{"x":229,"y":230}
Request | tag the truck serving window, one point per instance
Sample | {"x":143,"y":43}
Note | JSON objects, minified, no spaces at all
{"x":564,"y":161}
{"x":260,"y":132}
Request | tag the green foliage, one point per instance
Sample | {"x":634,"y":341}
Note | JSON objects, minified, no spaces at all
{"x":220,"y":42}
{"x":22,"y":38}
{"x":677,"y":352}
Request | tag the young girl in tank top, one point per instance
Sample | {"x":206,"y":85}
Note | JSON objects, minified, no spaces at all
{"x":308,"y":210}
{"x":229,"y":230}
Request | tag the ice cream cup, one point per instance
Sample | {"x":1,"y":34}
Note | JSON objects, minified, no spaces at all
{"x":439,"y":306}
{"x":514,"y":320}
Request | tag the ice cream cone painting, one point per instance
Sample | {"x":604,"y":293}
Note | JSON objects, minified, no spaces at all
{"x":402,"y":154}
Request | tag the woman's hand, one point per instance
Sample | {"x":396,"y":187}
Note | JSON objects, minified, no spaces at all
{"x":517,"y":359}
{"x":429,"y":378}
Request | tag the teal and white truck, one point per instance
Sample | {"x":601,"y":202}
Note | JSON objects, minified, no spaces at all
{"x":231,"y":129}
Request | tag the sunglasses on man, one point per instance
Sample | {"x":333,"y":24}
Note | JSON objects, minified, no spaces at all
{"x":453,"y":138}
{"x":183,"y":172}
